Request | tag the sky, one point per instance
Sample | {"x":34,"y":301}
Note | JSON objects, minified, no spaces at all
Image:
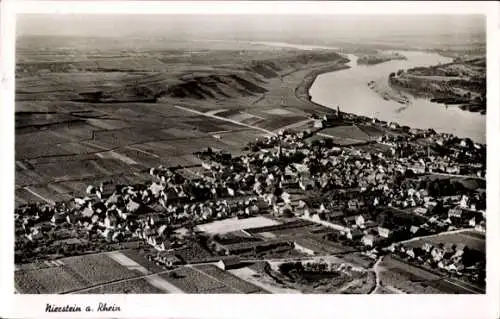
{"x":325,"y":27}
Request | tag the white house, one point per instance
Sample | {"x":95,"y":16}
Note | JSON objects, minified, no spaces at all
{"x":384,"y":232}
{"x":410,"y":252}
{"x":455,"y":212}
{"x":437,"y":254}
{"x":367,"y":240}
{"x":420,"y":210}
{"x":360,"y":221}
{"x":481,"y":227}
{"x":464,"y":202}
{"x":427,"y":247}
{"x":472,"y":222}
{"x":414,"y":229}
{"x":132,"y":206}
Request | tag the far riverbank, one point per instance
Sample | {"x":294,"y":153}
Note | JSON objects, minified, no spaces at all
{"x":348,"y":88}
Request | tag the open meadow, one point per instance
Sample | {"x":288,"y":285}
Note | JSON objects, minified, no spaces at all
{"x":233,"y":224}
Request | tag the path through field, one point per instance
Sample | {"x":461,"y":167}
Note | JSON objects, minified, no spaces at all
{"x":49,"y":201}
{"x":435,"y":235}
{"x":325,"y":223}
{"x":153,"y":279}
{"x":376,"y":270}
{"x":127,"y":262}
{"x":459,"y":176}
{"x":224,"y":119}
{"x":464,"y":285}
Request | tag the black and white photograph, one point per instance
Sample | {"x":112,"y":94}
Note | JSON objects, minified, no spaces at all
{"x":161,"y":154}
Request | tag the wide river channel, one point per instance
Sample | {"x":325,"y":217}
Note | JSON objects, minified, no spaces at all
{"x":349,"y":90}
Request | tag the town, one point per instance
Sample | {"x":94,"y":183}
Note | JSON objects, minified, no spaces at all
{"x":414,"y":195}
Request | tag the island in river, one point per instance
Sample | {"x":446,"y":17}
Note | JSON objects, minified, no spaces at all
{"x":461,"y":82}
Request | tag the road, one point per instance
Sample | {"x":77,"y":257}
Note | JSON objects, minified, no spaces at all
{"x":460,"y":176}
{"x":376,"y":270}
{"x":325,"y":223}
{"x":275,"y":260}
{"x":49,"y":201}
{"x":434,"y":235}
{"x":224,"y":119}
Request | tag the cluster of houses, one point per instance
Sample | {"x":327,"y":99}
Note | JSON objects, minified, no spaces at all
{"x":253,"y":183}
{"x":461,"y":156}
{"x":115,"y":214}
{"x":360,"y":228}
{"x":446,"y":257}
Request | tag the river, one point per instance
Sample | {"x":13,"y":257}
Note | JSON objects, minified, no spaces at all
{"x":348,"y":88}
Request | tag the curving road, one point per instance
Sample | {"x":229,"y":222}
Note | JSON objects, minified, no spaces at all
{"x":376,"y":270}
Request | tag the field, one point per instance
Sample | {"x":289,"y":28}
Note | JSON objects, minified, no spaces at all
{"x":234,"y":224}
{"x":191,"y":280}
{"x":194,"y":253}
{"x":140,"y":258}
{"x":73,"y":273}
{"x":346,"y":132}
{"x":472,"y":239}
{"x":90,"y":117}
{"x":320,"y":246}
{"x":229,"y":279}
{"x":411,"y":279}
{"x":137,"y":286}
{"x":69,"y":156}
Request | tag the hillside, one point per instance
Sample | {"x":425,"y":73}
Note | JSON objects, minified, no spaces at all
{"x":84,"y":116}
{"x":152,"y":76}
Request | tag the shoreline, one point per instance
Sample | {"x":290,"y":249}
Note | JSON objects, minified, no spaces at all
{"x":302,"y":92}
